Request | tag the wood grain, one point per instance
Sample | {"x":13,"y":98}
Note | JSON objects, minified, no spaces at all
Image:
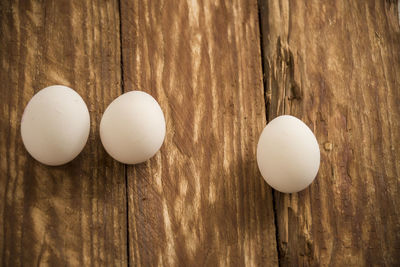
{"x":336,"y":65}
{"x":201,"y":200}
{"x":75,"y":214}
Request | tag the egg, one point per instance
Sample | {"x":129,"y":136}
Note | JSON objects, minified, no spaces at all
{"x":132,"y":128}
{"x":55,"y":125}
{"x":288,"y":154}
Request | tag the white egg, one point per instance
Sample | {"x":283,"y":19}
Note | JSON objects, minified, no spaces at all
{"x":132,"y":128}
{"x":288,"y":154}
{"x":55,"y":125}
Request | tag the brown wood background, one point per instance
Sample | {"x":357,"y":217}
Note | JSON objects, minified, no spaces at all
{"x":220,"y":70}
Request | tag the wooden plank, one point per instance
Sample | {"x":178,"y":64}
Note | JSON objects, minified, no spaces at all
{"x":336,"y":65}
{"x":75,"y":214}
{"x":201,"y":200}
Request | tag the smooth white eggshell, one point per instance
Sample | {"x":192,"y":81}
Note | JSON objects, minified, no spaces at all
{"x":55,"y":125}
{"x":132,"y":128}
{"x":288,"y":154}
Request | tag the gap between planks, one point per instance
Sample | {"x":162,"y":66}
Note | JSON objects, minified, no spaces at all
{"x":125,"y":166}
{"x":267,"y":107}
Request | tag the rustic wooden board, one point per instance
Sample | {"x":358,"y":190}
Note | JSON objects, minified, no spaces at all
{"x":201,"y":200}
{"x":75,"y":214}
{"x":336,"y":65}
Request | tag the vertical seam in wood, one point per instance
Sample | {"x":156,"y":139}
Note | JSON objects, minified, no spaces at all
{"x":266,"y":102}
{"x":120,"y":47}
{"x":267,"y":107}
{"x":127,"y":215}
{"x":125,"y":166}
{"x":276,"y":226}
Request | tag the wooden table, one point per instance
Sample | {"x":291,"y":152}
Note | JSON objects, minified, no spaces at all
{"x":220,"y":70}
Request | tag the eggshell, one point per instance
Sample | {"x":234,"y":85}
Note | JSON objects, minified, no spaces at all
{"x":55,"y":125}
{"x":132,"y":128}
{"x":288,"y":154}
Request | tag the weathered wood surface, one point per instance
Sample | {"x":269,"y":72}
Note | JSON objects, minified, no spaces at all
{"x":336,"y":65}
{"x":74,"y":214}
{"x":201,"y":201}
